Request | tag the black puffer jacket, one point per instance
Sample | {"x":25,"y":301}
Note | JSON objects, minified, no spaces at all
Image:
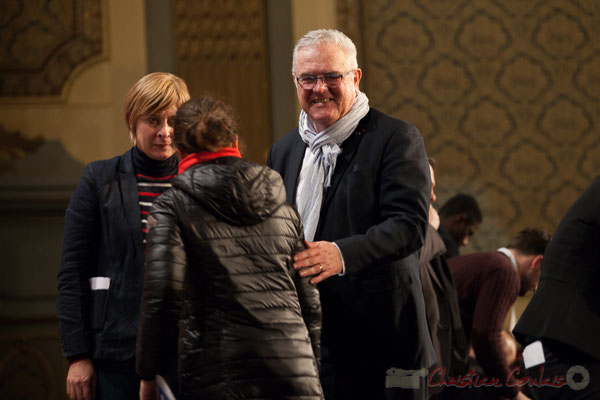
{"x":219,"y":260}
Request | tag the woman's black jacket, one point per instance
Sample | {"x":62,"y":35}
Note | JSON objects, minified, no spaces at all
{"x":102,"y":240}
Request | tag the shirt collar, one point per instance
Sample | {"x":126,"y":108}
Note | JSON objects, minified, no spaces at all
{"x":510,"y":256}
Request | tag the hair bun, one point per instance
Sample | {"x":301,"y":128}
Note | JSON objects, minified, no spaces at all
{"x":204,"y":124}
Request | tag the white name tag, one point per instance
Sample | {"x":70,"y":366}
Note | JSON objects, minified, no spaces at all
{"x":533,"y":355}
{"x":99,"y":283}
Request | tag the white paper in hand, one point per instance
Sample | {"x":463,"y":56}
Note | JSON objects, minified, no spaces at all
{"x":164,"y":391}
{"x":533,"y":354}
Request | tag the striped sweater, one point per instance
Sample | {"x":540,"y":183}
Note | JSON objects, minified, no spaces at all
{"x":153,"y":178}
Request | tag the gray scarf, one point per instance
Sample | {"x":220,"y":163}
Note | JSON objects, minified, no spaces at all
{"x":325,"y":146}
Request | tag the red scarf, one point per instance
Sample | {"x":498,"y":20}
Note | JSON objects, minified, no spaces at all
{"x":204,"y":156}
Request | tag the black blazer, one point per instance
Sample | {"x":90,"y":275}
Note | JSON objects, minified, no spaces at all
{"x":566,"y":305}
{"x":103,"y":238}
{"x":376,"y":212}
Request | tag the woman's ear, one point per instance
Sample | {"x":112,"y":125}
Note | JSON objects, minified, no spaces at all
{"x":234,"y":142}
{"x":132,"y":136}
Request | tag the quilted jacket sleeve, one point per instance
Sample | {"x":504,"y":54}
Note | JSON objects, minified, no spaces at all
{"x":310,"y":303}
{"x":164,"y":275}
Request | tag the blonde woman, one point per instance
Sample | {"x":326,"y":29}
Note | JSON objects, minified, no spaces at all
{"x":102,"y":263}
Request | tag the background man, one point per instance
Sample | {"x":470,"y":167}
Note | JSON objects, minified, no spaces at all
{"x":564,"y":313}
{"x":487,"y":285}
{"x":441,"y":302}
{"x":360,"y":181}
{"x":460,"y":218}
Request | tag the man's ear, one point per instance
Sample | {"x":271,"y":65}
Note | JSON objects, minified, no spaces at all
{"x":536,"y":262}
{"x":357,"y":76}
{"x":234,"y":142}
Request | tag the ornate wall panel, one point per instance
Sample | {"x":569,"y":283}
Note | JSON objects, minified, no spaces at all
{"x":32,"y":368}
{"x":221,"y":48}
{"x":43,"y":42}
{"x":505,"y":93}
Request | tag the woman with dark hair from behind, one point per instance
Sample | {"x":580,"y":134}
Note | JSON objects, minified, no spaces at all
{"x":219,"y":263}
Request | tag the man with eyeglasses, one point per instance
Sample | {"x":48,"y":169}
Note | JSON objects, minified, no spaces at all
{"x":360,"y":181}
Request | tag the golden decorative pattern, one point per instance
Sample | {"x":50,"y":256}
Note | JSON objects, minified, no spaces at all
{"x":523,"y":78}
{"x":414,"y":38}
{"x":565,"y":121}
{"x":231,"y":31}
{"x":487,"y":122}
{"x":482,"y":36}
{"x":559,"y":34}
{"x":586,"y":78}
{"x":446,"y":81}
{"x":42,"y":42}
{"x":221,"y":48}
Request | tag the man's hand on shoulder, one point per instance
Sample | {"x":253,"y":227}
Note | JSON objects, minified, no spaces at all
{"x":81,"y":380}
{"x":320,"y":259}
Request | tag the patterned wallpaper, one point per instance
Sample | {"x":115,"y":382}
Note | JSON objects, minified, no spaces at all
{"x":505,"y":92}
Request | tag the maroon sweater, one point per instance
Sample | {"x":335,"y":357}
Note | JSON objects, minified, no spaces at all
{"x":487,"y":285}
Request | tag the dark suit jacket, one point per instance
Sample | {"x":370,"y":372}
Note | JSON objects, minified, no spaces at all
{"x":443,"y":311}
{"x":566,"y":305}
{"x":452,"y":248}
{"x":103,"y":238}
{"x":376,"y":212}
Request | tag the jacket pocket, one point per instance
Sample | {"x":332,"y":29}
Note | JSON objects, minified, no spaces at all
{"x":98,"y":303}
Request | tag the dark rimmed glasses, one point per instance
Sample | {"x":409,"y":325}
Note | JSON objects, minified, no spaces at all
{"x":308,"y":82}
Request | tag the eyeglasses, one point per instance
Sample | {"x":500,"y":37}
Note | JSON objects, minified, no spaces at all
{"x":309,"y":82}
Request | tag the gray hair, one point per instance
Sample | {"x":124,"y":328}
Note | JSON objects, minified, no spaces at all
{"x":320,"y":36}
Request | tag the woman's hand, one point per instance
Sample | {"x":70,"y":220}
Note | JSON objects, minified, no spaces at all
{"x":81,"y":380}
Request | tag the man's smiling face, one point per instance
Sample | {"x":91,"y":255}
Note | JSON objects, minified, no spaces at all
{"x":325,"y":104}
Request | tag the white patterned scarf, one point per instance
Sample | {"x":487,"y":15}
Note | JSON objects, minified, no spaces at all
{"x":318,"y":169}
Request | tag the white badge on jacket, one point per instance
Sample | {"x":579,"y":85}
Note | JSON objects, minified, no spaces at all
{"x":99,"y":283}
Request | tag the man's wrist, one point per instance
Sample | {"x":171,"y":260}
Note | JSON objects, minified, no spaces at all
{"x":78,"y":357}
{"x":343,"y":272}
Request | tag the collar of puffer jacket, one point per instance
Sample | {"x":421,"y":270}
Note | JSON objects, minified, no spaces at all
{"x":235,"y":190}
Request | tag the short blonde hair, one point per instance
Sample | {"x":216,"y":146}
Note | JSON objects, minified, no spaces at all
{"x":152,"y":94}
